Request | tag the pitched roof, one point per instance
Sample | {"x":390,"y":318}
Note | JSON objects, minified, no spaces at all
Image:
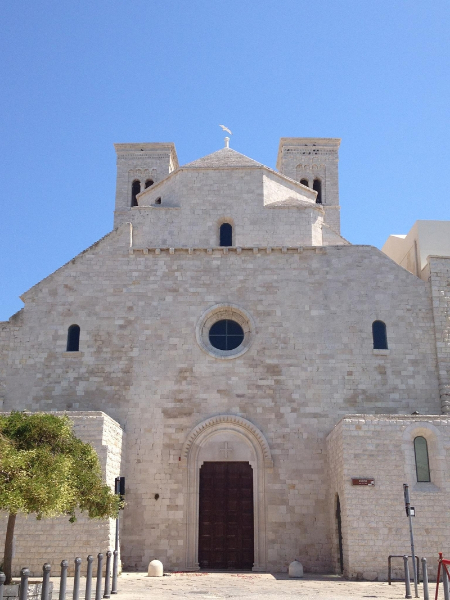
{"x":226,"y":157}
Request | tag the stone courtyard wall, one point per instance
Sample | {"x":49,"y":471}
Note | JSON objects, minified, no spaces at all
{"x":374,"y":522}
{"x":52,"y":540}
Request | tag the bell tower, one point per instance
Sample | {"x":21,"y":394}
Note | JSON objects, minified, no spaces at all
{"x":139,"y":166}
{"x":314,"y":163}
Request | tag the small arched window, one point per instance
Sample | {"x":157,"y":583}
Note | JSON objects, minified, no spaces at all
{"x":304,"y":182}
{"x":158,"y":200}
{"x":135,"y":190}
{"x":148,"y":183}
{"x":317,"y":186}
{"x":73,"y":338}
{"x":379,"y":335}
{"x":226,"y":235}
{"x":422,"y":463}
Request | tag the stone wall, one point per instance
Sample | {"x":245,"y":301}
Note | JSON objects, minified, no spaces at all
{"x":263,"y":207}
{"x":311,"y":362}
{"x":374,"y":522}
{"x":312,"y":158}
{"x":52,"y":540}
{"x":139,"y":162}
{"x":439,"y":277}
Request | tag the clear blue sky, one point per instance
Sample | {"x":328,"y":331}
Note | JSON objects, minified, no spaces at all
{"x":78,"y":76}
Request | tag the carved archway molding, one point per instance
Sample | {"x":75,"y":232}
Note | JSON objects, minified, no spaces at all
{"x":227,"y":420}
{"x":197,"y":443}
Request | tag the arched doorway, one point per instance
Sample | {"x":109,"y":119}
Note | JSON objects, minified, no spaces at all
{"x":244,"y":454}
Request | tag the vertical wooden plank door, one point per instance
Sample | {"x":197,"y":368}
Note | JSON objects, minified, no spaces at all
{"x":226,"y":516}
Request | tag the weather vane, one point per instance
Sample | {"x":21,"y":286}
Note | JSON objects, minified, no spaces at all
{"x":227,"y":139}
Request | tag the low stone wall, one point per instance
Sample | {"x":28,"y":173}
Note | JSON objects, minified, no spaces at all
{"x":374,"y":522}
{"x":52,"y":540}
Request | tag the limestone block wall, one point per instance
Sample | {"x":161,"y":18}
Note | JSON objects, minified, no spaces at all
{"x":331,"y":238}
{"x":310,"y":363}
{"x":140,"y":162}
{"x":373,"y":518}
{"x":52,"y":540}
{"x":4,"y":351}
{"x":312,"y":158}
{"x":439,"y":277}
{"x":10,"y":332}
{"x":195,"y":202}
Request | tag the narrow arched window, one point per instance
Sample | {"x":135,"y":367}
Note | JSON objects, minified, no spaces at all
{"x":422,"y":463}
{"x":158,"y":201}
{"x":379,"y":335}
{"x":226,"y":234}
{"x":317,"y":186}
{"x":73,"y":338}
{"x":148,"y":183}
{"x":135,"y":190}
{"x":304,"y":181}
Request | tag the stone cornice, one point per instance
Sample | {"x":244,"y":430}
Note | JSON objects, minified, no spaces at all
{"x":219,"y":250}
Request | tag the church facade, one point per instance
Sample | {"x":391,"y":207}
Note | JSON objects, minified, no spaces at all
{"x":264,"y":386}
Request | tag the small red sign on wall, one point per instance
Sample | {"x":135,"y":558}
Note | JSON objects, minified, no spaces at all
{"x":363,"y":481}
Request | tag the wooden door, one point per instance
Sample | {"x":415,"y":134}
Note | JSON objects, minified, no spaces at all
{"x":226,"y":516}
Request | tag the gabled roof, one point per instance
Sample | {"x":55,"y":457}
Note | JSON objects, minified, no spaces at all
{"x":226,"y":157}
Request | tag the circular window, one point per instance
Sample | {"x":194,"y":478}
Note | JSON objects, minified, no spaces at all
{"x":225,"y":331}
{"x":226,"y":335}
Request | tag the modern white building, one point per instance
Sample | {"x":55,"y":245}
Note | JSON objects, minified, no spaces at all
{"x":264,"y":386}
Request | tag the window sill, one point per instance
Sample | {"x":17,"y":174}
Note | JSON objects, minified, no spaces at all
{"x":74,"y":354}
{"x":426,"y":487}
{"x":379,"y":352}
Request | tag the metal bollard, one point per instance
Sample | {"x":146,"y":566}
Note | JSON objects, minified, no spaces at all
{"x":45,"y":581}
{"x":107,"y":592}
{"x":115,"y":570}
{"x":98,"y":589}
{"x":87,"y":595}
{"x":24,"y":574}
{"x":445,"y":582}
{"x":2,"y":581}
{"x":407,"y":580}
{"x":63,"y":580}
{"x":426,"y":594}
{"x":76,"y":579}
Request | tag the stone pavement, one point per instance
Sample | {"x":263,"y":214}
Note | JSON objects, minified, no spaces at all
{"x":248,"y":586}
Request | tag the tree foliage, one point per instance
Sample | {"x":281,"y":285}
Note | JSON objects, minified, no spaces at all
{"x":45,"y":469}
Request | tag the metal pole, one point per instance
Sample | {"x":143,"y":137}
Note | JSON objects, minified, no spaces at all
{"x":2,"y":581}
{"x":107,"y":592}
{"x":90,"y":561}
{"x":24,"y":574}
{"x":114,"y":575}
{"x":413,"y":554}
{"x":98,"y":589}
{"x":76,"y":579}
{"x":45,"y":581}
{"x":116,"y":559}
{"x":426,"y":594}
{"x":445,"y":582}
{"x":63,"y":580}
{"x":407,"y":582}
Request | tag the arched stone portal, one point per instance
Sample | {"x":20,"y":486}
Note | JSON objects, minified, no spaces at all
{"x":225,"y":438}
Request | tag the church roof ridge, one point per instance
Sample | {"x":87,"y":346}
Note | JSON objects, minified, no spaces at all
{"x":225,"y":157}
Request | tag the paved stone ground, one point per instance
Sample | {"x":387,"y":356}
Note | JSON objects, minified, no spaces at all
{"x":247,"y":586}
